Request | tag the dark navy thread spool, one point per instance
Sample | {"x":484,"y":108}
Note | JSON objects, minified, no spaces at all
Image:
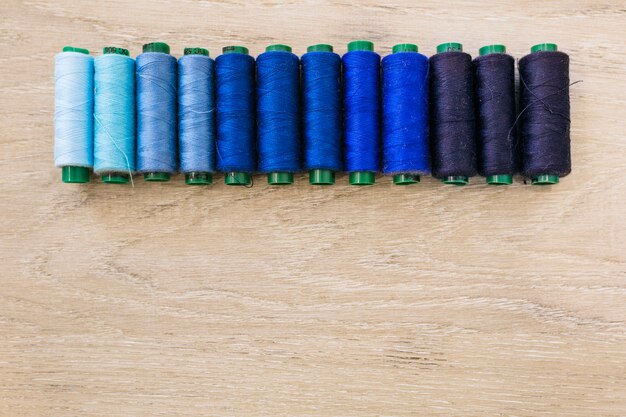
{"x":236,"y":110}
{"x":361,"y":66}
{"x":452,"y":118}
{"x":405,"y":114}
{"x":164,"y":125}
{"x":196,"y":116}
{"x":545,"y":114}
{"x":321,"y":94}
{"x":494,"y":75}
{"x":278,"y":114}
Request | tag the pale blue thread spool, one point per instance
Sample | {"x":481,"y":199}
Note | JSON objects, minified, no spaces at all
{"x":156,"y":82}
{"x":114,"y":116}
{"x":196,"y":116}
{"x":73,"y":114}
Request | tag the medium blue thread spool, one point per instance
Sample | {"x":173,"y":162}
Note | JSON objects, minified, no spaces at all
{"x":361,"y":68}
{"x":452,"y":118}
{"x":114,"y":116}
{"x":196,"y":116}
{"x":278,"y":114}
{"x":405,"y":114}
{"x":73,"y":114}
{"x":321,"y":94}
{"x":236,"y":109}
{"x":156,"y":112}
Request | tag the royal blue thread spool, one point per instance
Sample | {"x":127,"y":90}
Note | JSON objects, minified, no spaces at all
{"x":196,"y":116}
{"x":278,"y":114}
{"x":236,"y":111}
{"x":452,"y":118}
{"x":156,"y":86}
{"x":494,"y":74}
{"x":361,"y":66}
{"x":321,"y":97}
{"x":405,"y":114}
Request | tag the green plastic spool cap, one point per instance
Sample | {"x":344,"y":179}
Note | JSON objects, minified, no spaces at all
{"x":198,"y":178}
{"x":544,"y":47}
{"x":320,"y":47}
{"x":75,"y":175}
{"x":73,"y":49}
{"x":196,"y":51}
{"x":279,"y":47}
{"x":280,"y":178}
{"x":233,"y":49}
{"x":362,"y":178}
{"x":456,"y":180}
{"x":156,"y":176}
{"x":237,"y":178}
{"x":113,"y":50}
{"x":321,"y":177}
{"x":501,"y":179}
{"x":157,"y":47}
{"x":406,"y":179}
{"x":114,"y":178}
{"x":545,"y":180}
{"x":450,"y":47}
{"x":360,"y":46}
{"x":404,"y":47}
{"x":492,"y":49}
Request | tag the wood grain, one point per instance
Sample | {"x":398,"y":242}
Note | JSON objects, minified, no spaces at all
{"x":163,"y":300}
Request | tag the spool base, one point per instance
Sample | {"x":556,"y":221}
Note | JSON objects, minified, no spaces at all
{"x":114,"y":178}
{"x":280,"y":178}
{"x":321,"y":177}
{"x":456,"y":180}
{"x":406,"y":179}
{"x":545,"y":180}
{"x":362,"y":178}
{"x":156,"y":176}
{"x":237,"y":178}
{"x":501,"y":179}
{"x":198,"y":178}
{"x":75,"y":175}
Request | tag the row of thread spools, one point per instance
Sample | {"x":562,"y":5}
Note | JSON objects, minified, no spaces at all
{"x":405,"y":116}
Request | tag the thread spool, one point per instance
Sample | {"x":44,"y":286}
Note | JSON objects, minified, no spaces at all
{"x":361,"y":66}
{"x":114,"y":116}
{"x":545,"y":114}
{"x":236,"y":108}
{"x":494,"y":75}
{"x":196,"y":116}
{"x":73,"y":114}
{"x":405,"y":114}
{"x":278,"y":114}
{"x":156,"y":112}
{"x":321,"y":94}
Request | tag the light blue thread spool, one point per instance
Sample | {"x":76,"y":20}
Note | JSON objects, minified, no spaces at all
{"x":156,"y":82}
{"x":73,"y":114}
{"x":114,"y":116}
{"x":196,"y":116}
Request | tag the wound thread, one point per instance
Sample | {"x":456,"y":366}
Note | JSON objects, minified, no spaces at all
{"x":73,"y":113}
{"x":278,"y":113}
{"x":494,"y":75}
{"x":196,"y":116}
{"x":156,"y":82}
{"x":321,"y":93}
{"x":236,"y":115}
{"x":362,"y":110}
{"x":114,"y":116}
{"x":545,"y":115}
{"x":452,"y":119}
{"x":405,"y":114}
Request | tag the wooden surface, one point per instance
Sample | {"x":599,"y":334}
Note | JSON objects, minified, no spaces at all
{"x":168,"y":300}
